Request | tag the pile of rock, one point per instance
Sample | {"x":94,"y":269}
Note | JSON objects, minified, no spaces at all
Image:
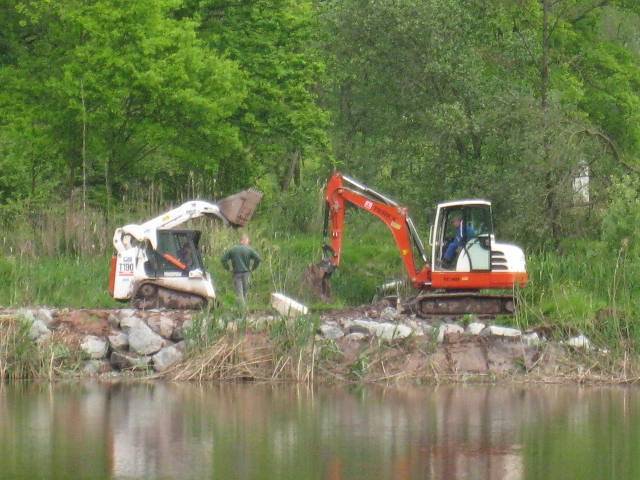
{"x":389,"y":324}
{"x":122,"y":340}
{"x":153,"y":340}
{"x":137,"y":341}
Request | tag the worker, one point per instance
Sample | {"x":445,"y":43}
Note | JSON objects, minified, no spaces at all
{"x":244,"y":260}
{"x":463,"y":234}
{"x":186,"y":255}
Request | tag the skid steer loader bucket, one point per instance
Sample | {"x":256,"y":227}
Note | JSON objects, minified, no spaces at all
{"x":239,"y":207}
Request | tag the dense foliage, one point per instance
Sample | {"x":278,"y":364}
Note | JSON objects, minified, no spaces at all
{"x":106,"y":101}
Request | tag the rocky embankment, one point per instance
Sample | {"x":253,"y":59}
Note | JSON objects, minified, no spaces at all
{"x":112,"y":342}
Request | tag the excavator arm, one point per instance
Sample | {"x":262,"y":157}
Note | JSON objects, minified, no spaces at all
{"x":341,"y":191}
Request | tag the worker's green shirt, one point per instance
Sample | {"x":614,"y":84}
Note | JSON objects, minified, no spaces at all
{"x":241,"y":257}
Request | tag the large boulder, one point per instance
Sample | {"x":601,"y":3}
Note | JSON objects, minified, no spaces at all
{"x":162,"y":325}
{"x":447,"y":330}
{"x":504,"y":332}
{"x":95,"y":347}
{"x":531,"y":339}
{"x":167,"y":357}
{"x":128,"y":361}
{"x":119,"y":340}
{"x":332,"y":332}
{"x":126,"y":312}
{"x":180,"y":331}
{"x":385,"y":331}
{"x":389,"y":314}
{"x":129,"y":322}
{"x":419,"y":329}
{"x":45,"y":315}
{"x":143,"y":340}
{"x":390,"y":331}
{"x":39,"y":331}
{"x":475,"y":328}
{"x":114,"y":320}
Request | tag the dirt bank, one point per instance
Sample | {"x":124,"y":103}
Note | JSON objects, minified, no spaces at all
{"x":367,"y":344}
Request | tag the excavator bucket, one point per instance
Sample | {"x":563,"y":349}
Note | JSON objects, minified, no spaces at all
{"x":317,"y":276}
{"x":239,"y":207}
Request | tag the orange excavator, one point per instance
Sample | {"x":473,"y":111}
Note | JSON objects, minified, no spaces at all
{"x":465,"y":261}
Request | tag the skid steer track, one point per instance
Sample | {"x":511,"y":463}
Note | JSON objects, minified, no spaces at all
{"x":154,"y":296}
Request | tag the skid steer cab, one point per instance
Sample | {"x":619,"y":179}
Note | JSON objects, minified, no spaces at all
{"x":157,"y":265}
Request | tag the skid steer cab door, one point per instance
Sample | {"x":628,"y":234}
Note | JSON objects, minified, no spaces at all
{"x":461,"y":245}
{"x":177,"y":255}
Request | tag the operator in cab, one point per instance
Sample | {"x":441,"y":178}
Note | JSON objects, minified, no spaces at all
{"x":186,"y":255}
{"x":463,"y":233}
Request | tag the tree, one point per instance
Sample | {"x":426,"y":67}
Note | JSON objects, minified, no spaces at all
{"x":281,"y":123}
{"x":154,"y":100}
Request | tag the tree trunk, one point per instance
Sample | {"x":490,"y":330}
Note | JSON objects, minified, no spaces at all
{"x":551,"y":206}
{"x":107,"y":185}
{"x":293,"y":171}
{"x":84,"y":150}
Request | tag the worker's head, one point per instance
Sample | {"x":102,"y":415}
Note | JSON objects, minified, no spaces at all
{"x":456,"y":221}
{"x":244,"y":239}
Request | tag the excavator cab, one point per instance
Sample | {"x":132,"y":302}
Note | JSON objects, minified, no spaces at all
{"x":462,"y":236}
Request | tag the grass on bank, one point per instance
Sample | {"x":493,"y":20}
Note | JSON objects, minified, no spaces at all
{"x":223,"y":348}
{"x":588,"y":287}
{"x":21,"y":358}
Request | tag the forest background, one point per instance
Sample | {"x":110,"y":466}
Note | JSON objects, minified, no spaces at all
{"x":112,"y":111}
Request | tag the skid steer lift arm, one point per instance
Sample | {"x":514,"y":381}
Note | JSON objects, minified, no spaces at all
{"x":235,"y":210}
{"x":342,"y":190}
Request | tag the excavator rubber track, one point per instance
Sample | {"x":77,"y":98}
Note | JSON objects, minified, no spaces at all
{"x":153,"y":296}
{"x":460,"y":303}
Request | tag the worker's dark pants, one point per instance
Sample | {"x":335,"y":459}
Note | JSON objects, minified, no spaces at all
{"x":241,"y":285}
{"x":451,"y":250}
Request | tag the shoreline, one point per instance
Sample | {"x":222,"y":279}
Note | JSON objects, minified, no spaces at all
{"x":369,"y":344}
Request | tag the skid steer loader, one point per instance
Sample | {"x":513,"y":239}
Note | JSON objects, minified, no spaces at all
{"x":159,"y":266}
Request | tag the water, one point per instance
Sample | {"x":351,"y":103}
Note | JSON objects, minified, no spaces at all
{"x":156,"y":430}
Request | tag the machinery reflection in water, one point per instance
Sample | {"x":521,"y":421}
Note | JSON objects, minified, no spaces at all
{"x":157,"y":430}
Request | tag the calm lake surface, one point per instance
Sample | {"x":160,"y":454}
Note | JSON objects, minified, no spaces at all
{"x":158,"y":430}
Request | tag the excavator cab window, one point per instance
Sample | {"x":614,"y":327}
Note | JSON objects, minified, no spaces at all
{"x":463,"y":238}
{"x":177,"y":253}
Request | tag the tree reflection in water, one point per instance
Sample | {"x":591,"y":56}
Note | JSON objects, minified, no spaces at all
{"x":158,"y":430}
